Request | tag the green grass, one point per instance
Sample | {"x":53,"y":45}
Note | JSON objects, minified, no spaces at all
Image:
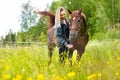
{"x":100,"y":61}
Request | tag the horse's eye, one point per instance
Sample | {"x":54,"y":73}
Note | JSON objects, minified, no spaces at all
{"x":78,"y":20}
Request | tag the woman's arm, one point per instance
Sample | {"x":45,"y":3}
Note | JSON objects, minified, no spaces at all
{"x":60,"y":38}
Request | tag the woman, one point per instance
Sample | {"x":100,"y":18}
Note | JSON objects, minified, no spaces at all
{"x":62,"y":32}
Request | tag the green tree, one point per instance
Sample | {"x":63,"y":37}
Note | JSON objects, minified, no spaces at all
{"x":100,"y":14}
{"x":28,"y":18}
{"x":54,"y":6}
{"x":10,"y":37}
{"x":21,"y":36}
{"x":38,"y":32}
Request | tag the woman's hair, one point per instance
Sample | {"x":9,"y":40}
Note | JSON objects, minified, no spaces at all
{"x":57,"y":16}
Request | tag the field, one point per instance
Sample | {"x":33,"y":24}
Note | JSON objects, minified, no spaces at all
{"x":100,"y":61}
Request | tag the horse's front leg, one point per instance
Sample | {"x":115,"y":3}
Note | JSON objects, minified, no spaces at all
{"x":79,"y":54}
{"x":70,"y":54}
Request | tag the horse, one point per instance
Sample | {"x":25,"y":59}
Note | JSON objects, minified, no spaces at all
{"x":50,"y":32}
{"x":78,"y":36}
{"x":78,"y":33}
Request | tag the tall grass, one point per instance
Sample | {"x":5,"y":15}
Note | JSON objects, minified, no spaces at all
{"x":100,"y":61}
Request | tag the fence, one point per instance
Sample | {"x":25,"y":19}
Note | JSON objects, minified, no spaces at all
{"x":23,"y":44}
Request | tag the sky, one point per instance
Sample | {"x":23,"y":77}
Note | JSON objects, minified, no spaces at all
{"x":10,"y":11}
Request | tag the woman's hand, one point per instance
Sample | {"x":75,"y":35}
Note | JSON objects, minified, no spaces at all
{"x":70,"y":46}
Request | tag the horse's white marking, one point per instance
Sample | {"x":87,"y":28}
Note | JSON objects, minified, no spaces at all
{"x":74,"y":18}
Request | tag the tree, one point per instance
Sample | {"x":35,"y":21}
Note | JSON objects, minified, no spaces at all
{"x":100,"y":13}
{"x":38,"y":32}
{"x":10,"y":37}
{"x":21,"y":36}
{"x":54,"y":6}
{"x":28,"y":18}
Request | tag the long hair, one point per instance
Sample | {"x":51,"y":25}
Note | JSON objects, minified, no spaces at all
{"x":57,"y":16}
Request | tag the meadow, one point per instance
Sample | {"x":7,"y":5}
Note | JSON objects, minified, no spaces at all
{"x":100,"y":61}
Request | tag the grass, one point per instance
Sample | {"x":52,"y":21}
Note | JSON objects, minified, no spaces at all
{"x":100,"y":61}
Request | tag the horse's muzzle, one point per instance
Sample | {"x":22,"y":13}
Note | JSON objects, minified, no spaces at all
{"x":72,"y":35}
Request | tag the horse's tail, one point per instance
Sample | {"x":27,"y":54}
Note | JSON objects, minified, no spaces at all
{"x":50,"y":15}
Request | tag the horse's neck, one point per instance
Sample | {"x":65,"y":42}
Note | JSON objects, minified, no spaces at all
{"x":82,"y":31}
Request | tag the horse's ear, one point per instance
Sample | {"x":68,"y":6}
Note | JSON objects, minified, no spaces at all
{"x":80,"y":11}
{"x":69,"y":11}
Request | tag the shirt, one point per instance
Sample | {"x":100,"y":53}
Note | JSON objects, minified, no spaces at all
{"x":62,"y":33}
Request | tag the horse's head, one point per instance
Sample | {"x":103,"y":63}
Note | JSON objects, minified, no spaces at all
{"x":77,"y":23}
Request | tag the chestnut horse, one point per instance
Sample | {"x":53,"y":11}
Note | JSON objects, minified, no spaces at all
{"x":78,"y":33}
{"x":50,"y":32}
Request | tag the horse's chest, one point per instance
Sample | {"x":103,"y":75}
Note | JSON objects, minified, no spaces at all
{"x":78,"y":42}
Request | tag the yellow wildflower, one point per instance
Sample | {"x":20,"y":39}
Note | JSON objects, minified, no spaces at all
{"x":117,"y":74}
{"x":99,"y":74}
{"x":58,"y":78}
{"x":29,"y":78}
{"x":7,"y":67}
{"x":108,"y":62}
{"x":64,"y":78}
{"x":18,"y":77}
{"x":13,"y":79}
{"x":6,"y":76}
{"x":40,"y":77}
{"x":71,"y":74}
{"x":91,"y":76}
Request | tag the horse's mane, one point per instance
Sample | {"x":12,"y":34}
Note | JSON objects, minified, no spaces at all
{"x":83,"y":15}
{"x":51,"y":15}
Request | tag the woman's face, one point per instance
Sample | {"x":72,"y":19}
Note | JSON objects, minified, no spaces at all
{"x":62,"y":15}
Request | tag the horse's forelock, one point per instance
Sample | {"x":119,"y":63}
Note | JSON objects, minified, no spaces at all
{"x":74,"y":13}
